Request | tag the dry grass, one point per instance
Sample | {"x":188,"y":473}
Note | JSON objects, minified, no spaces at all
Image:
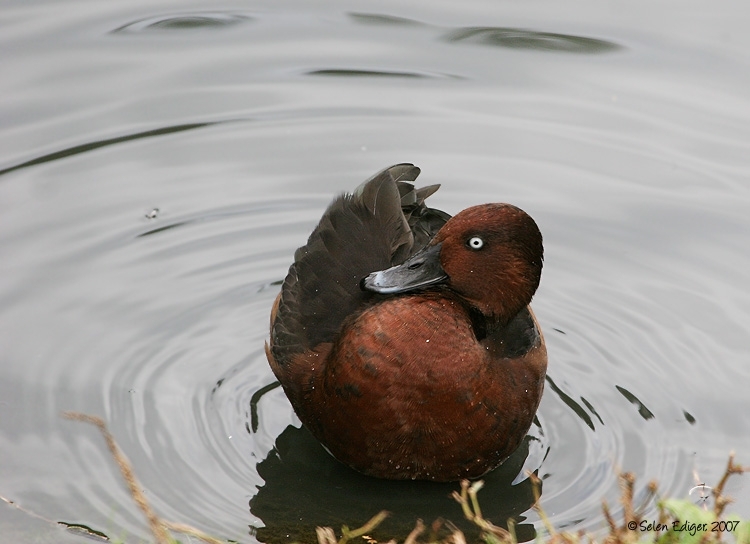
{"x":159,"y":527}
{"x":624,"y":532}
{"x":669,"y":512}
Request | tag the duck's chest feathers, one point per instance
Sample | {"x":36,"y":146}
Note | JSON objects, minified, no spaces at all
{"x":425,"y":345}
{"x":418,"y":338}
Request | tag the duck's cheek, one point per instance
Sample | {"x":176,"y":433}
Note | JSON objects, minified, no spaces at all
{"x":476,"y":293}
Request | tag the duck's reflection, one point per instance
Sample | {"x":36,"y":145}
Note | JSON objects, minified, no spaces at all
{"x":305,"y":487}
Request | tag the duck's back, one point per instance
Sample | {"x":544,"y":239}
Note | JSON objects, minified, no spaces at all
{"x":380,"y":224}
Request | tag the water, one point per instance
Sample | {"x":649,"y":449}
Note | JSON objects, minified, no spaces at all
{"x":161,"y":162}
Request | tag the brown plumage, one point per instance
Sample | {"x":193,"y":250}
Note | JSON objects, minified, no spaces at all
{"x":403,"y":337}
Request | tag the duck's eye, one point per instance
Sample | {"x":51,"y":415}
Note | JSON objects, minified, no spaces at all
{"x":475,"y":242}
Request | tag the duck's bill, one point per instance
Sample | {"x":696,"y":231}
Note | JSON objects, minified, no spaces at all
{"x":420,"y":270}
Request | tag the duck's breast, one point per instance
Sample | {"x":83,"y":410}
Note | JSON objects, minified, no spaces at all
{"x":422,"y":388}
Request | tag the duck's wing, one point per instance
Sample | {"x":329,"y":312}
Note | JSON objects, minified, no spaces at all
{"x":380,"y":224}
{"x":424,"y":222}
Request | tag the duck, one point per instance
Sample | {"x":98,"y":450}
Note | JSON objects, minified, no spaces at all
{"x":403,"y":337}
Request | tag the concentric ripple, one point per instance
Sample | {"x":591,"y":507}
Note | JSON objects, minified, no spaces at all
{"x":143,"y":240}
{"x":157,"y":322}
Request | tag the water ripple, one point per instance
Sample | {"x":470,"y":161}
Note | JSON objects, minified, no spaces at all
{"x":183,"y":22}
{"x":97,"y":144}
{"x":379,"y":19}
{"x":358,"y":73}
{"x":516,"y":38}
{"x":158,"y":322}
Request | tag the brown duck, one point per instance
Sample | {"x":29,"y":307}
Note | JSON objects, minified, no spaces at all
{"x":403,"y":337}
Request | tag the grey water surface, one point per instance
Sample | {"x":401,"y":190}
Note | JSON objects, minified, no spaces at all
{"x":160,"y":161}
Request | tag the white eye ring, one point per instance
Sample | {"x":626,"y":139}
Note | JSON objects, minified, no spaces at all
{"x":475,"y":242}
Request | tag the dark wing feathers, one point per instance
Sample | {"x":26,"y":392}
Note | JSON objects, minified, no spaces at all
{"x":424,"y":222}
{"x":380,"y":224}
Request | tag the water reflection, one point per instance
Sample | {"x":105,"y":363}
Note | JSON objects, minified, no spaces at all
{"x":380,"y":19}
{"x":84,"y":531}
{"x":644,"y":412}
{"x":305,"y":487}
{"x":516,"y":38}
{"x":90,"y":146}
{"x":365,"y":73}
{"x":255,"y":399}
{"x":183,"y":21}
{"x":573,"y":405}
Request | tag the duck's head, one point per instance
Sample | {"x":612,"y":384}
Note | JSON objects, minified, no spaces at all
{"x":491,"y":255}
